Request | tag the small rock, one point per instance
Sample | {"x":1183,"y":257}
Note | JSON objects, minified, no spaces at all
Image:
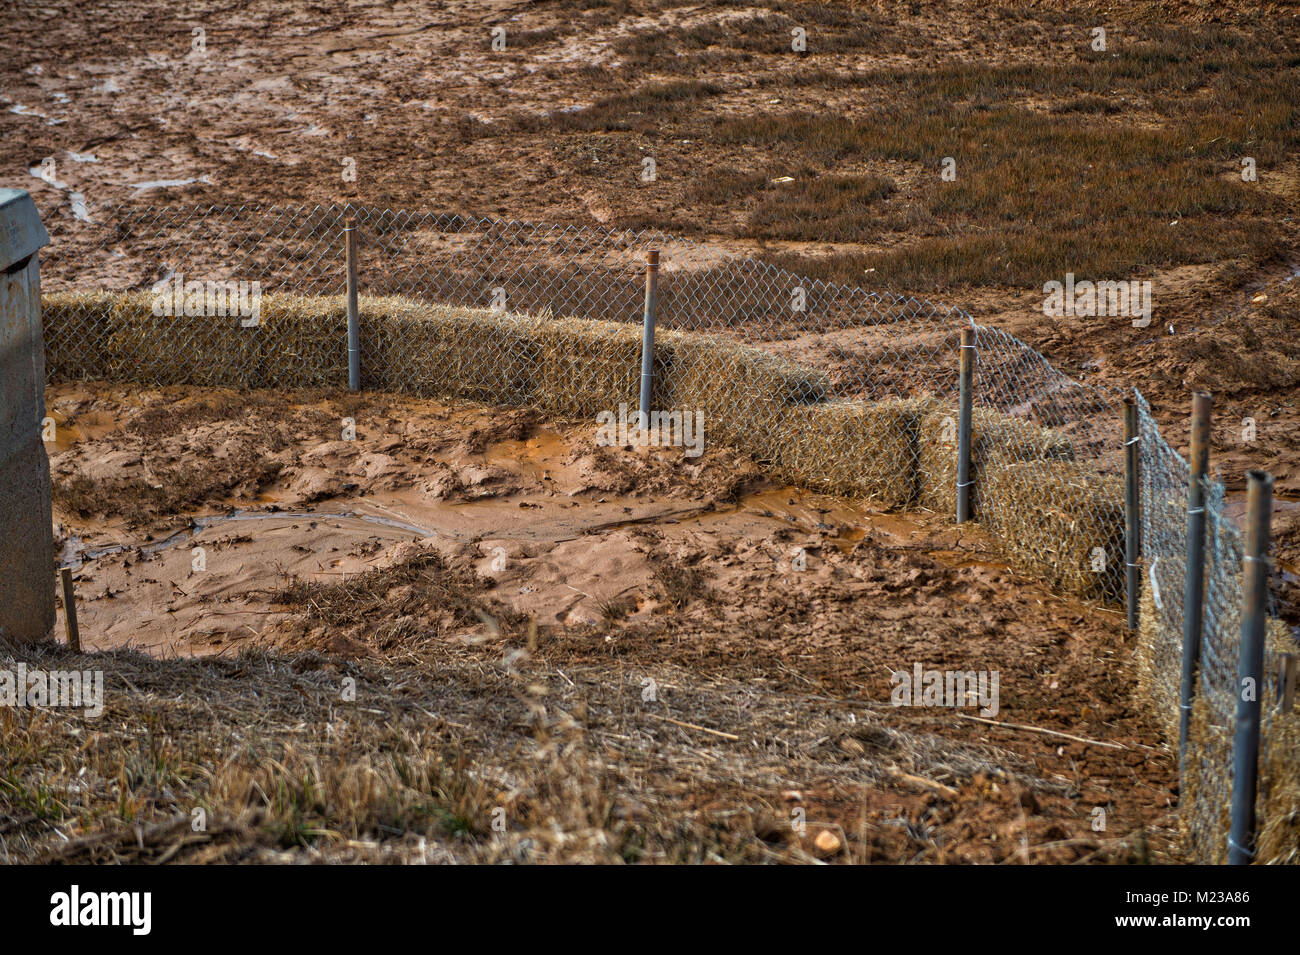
{"x":827,"y":842}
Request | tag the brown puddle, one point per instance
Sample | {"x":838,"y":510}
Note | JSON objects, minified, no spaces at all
{"x":84,"y":427}
{"x":542,"y":516}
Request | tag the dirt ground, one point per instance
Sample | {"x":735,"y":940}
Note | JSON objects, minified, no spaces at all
{"x":612,"y":646}
{"x":127,"y":108}
{"x":717,"y":649}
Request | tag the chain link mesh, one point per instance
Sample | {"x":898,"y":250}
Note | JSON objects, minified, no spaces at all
{"x":831,"y":386}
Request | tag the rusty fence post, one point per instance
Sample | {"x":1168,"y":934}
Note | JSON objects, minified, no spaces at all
{"x":648,"y":338}
{"x":354,"y":320}
{"x":1250,"y":668}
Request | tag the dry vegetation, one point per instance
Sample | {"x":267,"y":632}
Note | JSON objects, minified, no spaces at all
{"x":538,"y":732}
{"x":1122,"y":164}
{"x":696,"y":707}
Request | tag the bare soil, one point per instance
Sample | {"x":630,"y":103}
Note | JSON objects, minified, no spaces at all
{"x":554,"y":128}
{"x":720,"y":648}
{"x":504,"y":591}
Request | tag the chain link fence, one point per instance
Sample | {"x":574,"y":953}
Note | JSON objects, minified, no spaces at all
{"x":1206,"y":773}
{"x":829,"y":386}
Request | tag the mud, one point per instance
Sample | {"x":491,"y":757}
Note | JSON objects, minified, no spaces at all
{"x":600,"y":560}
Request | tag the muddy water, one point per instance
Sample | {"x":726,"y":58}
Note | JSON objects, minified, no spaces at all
{"x":553,"y":557}
{"x":90,"y":426}
{"x":77,"y":553}
{"x":537,"y":516}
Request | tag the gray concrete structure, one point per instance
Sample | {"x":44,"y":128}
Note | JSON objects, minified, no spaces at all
{"x":26,"y":537}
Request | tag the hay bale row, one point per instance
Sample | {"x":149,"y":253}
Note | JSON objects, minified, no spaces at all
{"x":1157,"y":664}
{"x":1204,"y":795}
{"x":77,"y":327}
{"x":996,"y":440}
{"x":890,"y":452}
{"x":857,"y":448}
{"x":574,"y":367}
{"x":587,"y":366}
{"x":1207,"y":775}
{"x":710,"y":368}
{"x":299,"y":342}
{"x":444,"y":351}
{"x":741,"y":390}
{"x":1277,"y":841}
{"x":1060,"y":521}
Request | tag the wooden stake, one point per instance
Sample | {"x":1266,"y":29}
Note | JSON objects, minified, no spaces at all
{"x":1286,"y":681}
{"x":70,"y":609}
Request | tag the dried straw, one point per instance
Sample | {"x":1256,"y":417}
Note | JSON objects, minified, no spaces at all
{"x":859,"y":448}
{"x":996,"y":440}
{"x":1060,"y":521}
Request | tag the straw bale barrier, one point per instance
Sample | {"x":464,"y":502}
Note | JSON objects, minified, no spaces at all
{"x":570,"y":366}
{"x":415,"y":348}
{"x":741,"y":390}
{"x":585,"y":366}
{"x":1157,"y":665}
{"x":77,"y":328}
{"x":1277,"y":841}
{"x":890,"y":452}
{"x":1050,"y":517}
{"x":1210,"y":738}
{"x":859,"y":448}
{"x":996,"y":440}
{"x":299,"y":342}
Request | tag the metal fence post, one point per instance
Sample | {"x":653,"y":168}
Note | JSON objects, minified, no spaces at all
{"x":354,"y":321}
{"x":1250,"y":668}
{"x":1132,"y":524}
{"x":1194,"y":572}
{"x":964,"y":424}
{"x":648,"y":338}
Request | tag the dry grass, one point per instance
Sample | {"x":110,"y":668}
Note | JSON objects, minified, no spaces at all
{"x":827,"y":208}
{"x":1078,"y":161}
{"x":679,"y":584}
{"x":400,"y":606}
{"x":447,"y":755}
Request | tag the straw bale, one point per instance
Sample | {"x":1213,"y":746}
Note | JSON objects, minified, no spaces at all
{"x":1051,"y":517}
{"x":996,"y":439}
{"x":858,"y":448}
